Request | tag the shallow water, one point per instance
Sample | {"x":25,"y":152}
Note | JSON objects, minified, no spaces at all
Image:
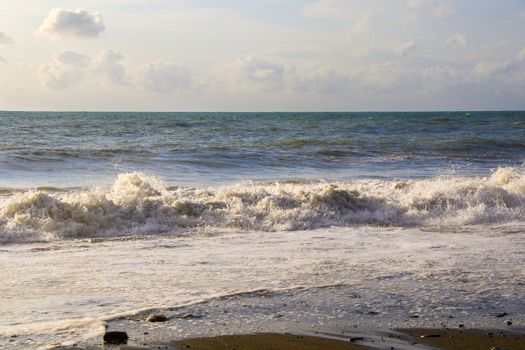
{"x":65,"y":291}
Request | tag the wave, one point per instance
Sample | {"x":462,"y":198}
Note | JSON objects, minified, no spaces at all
{"x":138,"y":204}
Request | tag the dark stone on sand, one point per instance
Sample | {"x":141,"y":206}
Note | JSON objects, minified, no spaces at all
{"x":157,"y":318}
{"x":430,"y":336}
{"x":461,"y":325}
{"x":509,"y":323}
{"x":503,"y":314}
{"x":354,"y":339}
{"x":414,"y":316}
{"x":116,"y":337}
{"x":372,"y":313}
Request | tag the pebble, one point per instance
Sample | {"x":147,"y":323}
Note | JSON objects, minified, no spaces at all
{"x":354,"y":339}
{"x":157,"y":318}
{"x":116,"y":337}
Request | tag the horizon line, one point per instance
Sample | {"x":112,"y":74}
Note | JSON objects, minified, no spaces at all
{"x":256,"y":111}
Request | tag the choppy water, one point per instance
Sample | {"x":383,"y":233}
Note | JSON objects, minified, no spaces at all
{"x":73,"y":175}
{"x":77,"y":149}
{"x":107,"y":214}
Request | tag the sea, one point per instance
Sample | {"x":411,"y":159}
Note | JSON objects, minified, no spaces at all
{"x":234,"y":223}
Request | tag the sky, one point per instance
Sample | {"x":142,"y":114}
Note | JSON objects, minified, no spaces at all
{"x":262,"y":55}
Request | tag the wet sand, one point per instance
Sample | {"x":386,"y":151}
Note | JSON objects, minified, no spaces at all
{"x":417,"y":339}
{"x":456,"y":339}
{"x":399,"y":339}
{"x":266,"y":342}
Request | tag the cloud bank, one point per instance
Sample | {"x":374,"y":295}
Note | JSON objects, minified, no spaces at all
{"x":66,"y":70}
{"x":269,"y":74}
{"x":109,"y":64}
{"x":164,"y":77}
{"x":69,"y":68}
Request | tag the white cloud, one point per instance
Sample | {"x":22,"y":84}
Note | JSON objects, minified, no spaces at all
{"x":458,"y":39}
{"x":326,"y":80}
{"x":69,"y":68}
{"x":5,"y":40}
{"x":392,"y":77}
{"x":271,"y":74}
{"x":486,"y":69}
{"x":66,"y":70}
{"x":164,"y":77}
{"x":259,"y":72}
{"x":109,"y":64}
{"x":510,"y":72}
{"x":444,"y":10}
{"x":66,"y":23}
{"x":405,"y":48}
{"x":379,"y":77}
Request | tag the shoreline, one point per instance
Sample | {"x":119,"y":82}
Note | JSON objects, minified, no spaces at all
{"x":405,"y":339}
{"x":352,"y":339}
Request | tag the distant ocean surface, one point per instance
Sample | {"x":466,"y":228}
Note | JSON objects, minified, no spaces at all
{"x":86,"y":149}
{"x":245,"y":218}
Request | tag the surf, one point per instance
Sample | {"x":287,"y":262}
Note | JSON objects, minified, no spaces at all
{"x":140,"y":204}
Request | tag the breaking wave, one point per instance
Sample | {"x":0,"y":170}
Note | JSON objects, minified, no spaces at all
{"x":138,"y":204}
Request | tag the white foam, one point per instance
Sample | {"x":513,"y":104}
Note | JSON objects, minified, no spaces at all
{"x":67,"y":291}
{"x":138,"y":204}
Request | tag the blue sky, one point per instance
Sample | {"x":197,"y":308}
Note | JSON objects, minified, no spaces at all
{"x":264,"y":55}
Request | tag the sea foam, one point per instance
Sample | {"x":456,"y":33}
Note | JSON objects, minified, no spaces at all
{"x":138,"y":204}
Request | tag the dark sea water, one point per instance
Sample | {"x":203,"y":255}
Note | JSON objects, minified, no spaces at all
{"x":77,"y":149}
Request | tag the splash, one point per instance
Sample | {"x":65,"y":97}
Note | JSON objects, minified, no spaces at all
{"x":138,"y":204}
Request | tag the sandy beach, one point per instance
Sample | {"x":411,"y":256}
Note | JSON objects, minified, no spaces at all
{"x":417,"y":339}
{"x":405,"y":339}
